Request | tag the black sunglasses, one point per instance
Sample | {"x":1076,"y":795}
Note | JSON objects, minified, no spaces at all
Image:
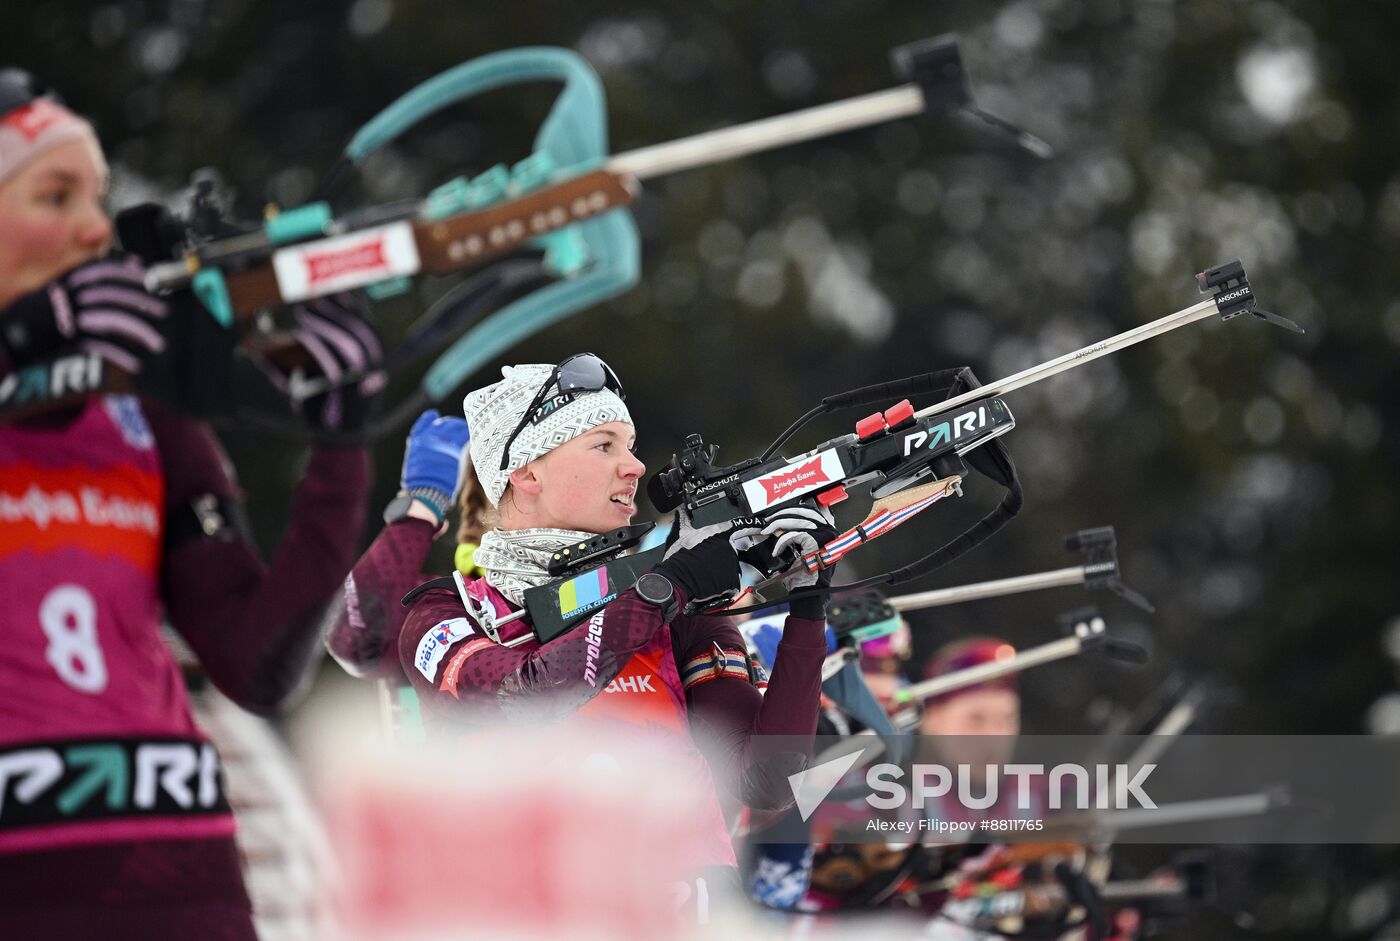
{"x":582,"y":372}
{"x":18,"y":88}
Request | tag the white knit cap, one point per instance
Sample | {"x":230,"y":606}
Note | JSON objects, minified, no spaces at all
{"x":493,"y":412}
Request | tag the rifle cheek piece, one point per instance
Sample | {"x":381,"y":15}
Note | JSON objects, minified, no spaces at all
{"x":861,"y":617}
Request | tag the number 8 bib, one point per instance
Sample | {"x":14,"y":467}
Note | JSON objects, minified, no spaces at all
{"x":68,"y":617}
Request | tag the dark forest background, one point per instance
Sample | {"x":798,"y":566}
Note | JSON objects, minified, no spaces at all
{"x":1251,"y":473}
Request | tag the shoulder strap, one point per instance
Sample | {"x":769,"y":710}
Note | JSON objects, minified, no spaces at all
{"x":479,"y":613}
{"x":446,"y":583}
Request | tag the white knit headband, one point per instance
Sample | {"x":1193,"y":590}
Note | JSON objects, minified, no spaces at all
{"x":493,"y":412}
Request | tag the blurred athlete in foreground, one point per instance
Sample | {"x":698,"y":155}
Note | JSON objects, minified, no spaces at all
{"x":116,"y":514}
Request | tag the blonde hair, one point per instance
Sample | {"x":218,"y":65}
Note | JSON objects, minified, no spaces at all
{"x":478,"y":515}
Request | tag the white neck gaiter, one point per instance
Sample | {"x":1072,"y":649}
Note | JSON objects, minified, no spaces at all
{"x":517,"y":559}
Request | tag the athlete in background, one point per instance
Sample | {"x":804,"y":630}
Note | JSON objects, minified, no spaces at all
{"x":362,"y":625}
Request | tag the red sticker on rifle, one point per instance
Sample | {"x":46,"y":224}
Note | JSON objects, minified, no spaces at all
{"x":794,"y":480}
{"x":325,"y":266}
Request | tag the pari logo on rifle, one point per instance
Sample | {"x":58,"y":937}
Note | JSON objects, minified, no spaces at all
{"x":958,"y":428}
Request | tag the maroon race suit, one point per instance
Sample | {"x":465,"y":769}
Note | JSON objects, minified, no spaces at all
{"x":689,"y":681}
{"x":110,"y":795}
{"x":363,"y":622}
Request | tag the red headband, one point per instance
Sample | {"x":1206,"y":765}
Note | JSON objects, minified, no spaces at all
{"x":36,"y":127}
{"x":972,"y":652}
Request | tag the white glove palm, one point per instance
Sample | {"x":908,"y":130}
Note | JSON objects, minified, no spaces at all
{"x":800,"y":530}
{"x":688,"y":537}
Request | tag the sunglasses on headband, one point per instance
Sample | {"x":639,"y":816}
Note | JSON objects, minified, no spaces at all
{"x":582,"y":372}
{"x":18,"y":88}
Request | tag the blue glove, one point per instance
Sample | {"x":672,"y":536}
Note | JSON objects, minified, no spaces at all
{"x":764,"y":633}
{"x":435,"y":460}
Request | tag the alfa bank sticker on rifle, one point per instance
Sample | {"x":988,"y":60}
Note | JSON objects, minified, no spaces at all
{"x":798,"y":478}
{"x":350,"y":261}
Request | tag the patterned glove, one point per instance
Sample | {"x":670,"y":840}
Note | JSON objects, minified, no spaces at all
{"x":334,"y":396}
{"x":101,"y":306}
{"x":684,"y":535}
{"x":435,"y":460}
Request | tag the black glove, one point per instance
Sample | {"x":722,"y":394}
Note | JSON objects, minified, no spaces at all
{"x":102,"y":307}
{"x":335,"y":395}
{"x":813,"y":607}
{"x":700,"y":561}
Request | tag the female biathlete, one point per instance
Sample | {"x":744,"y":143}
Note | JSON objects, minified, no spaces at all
{"x":116,"y":514}
{"x":552,"y":453}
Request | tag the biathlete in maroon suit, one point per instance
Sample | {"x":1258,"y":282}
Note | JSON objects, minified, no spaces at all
{"x":115,"y":515}
{"x":626,"y":667}
{"x":362,"y":625}
{"x":551,"y":448}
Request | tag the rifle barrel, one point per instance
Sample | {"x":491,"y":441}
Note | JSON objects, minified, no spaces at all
{"x":1035,"y":656}
{"x":1196,"y":811}
{"x":1155,"y":744}
{"x":767,"y":133}
{"x":1079,"y":357}
{"x":1144,"y":890}
{"x":993,"y":589}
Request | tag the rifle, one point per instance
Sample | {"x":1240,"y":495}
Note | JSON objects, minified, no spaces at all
{"x":547,"y":227}
{"x":1087,"y":633}
{"x":910,"y":459}
{"x":1073,"y":900}
{"x":868,"y":615}
{"x":306,"y":252}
